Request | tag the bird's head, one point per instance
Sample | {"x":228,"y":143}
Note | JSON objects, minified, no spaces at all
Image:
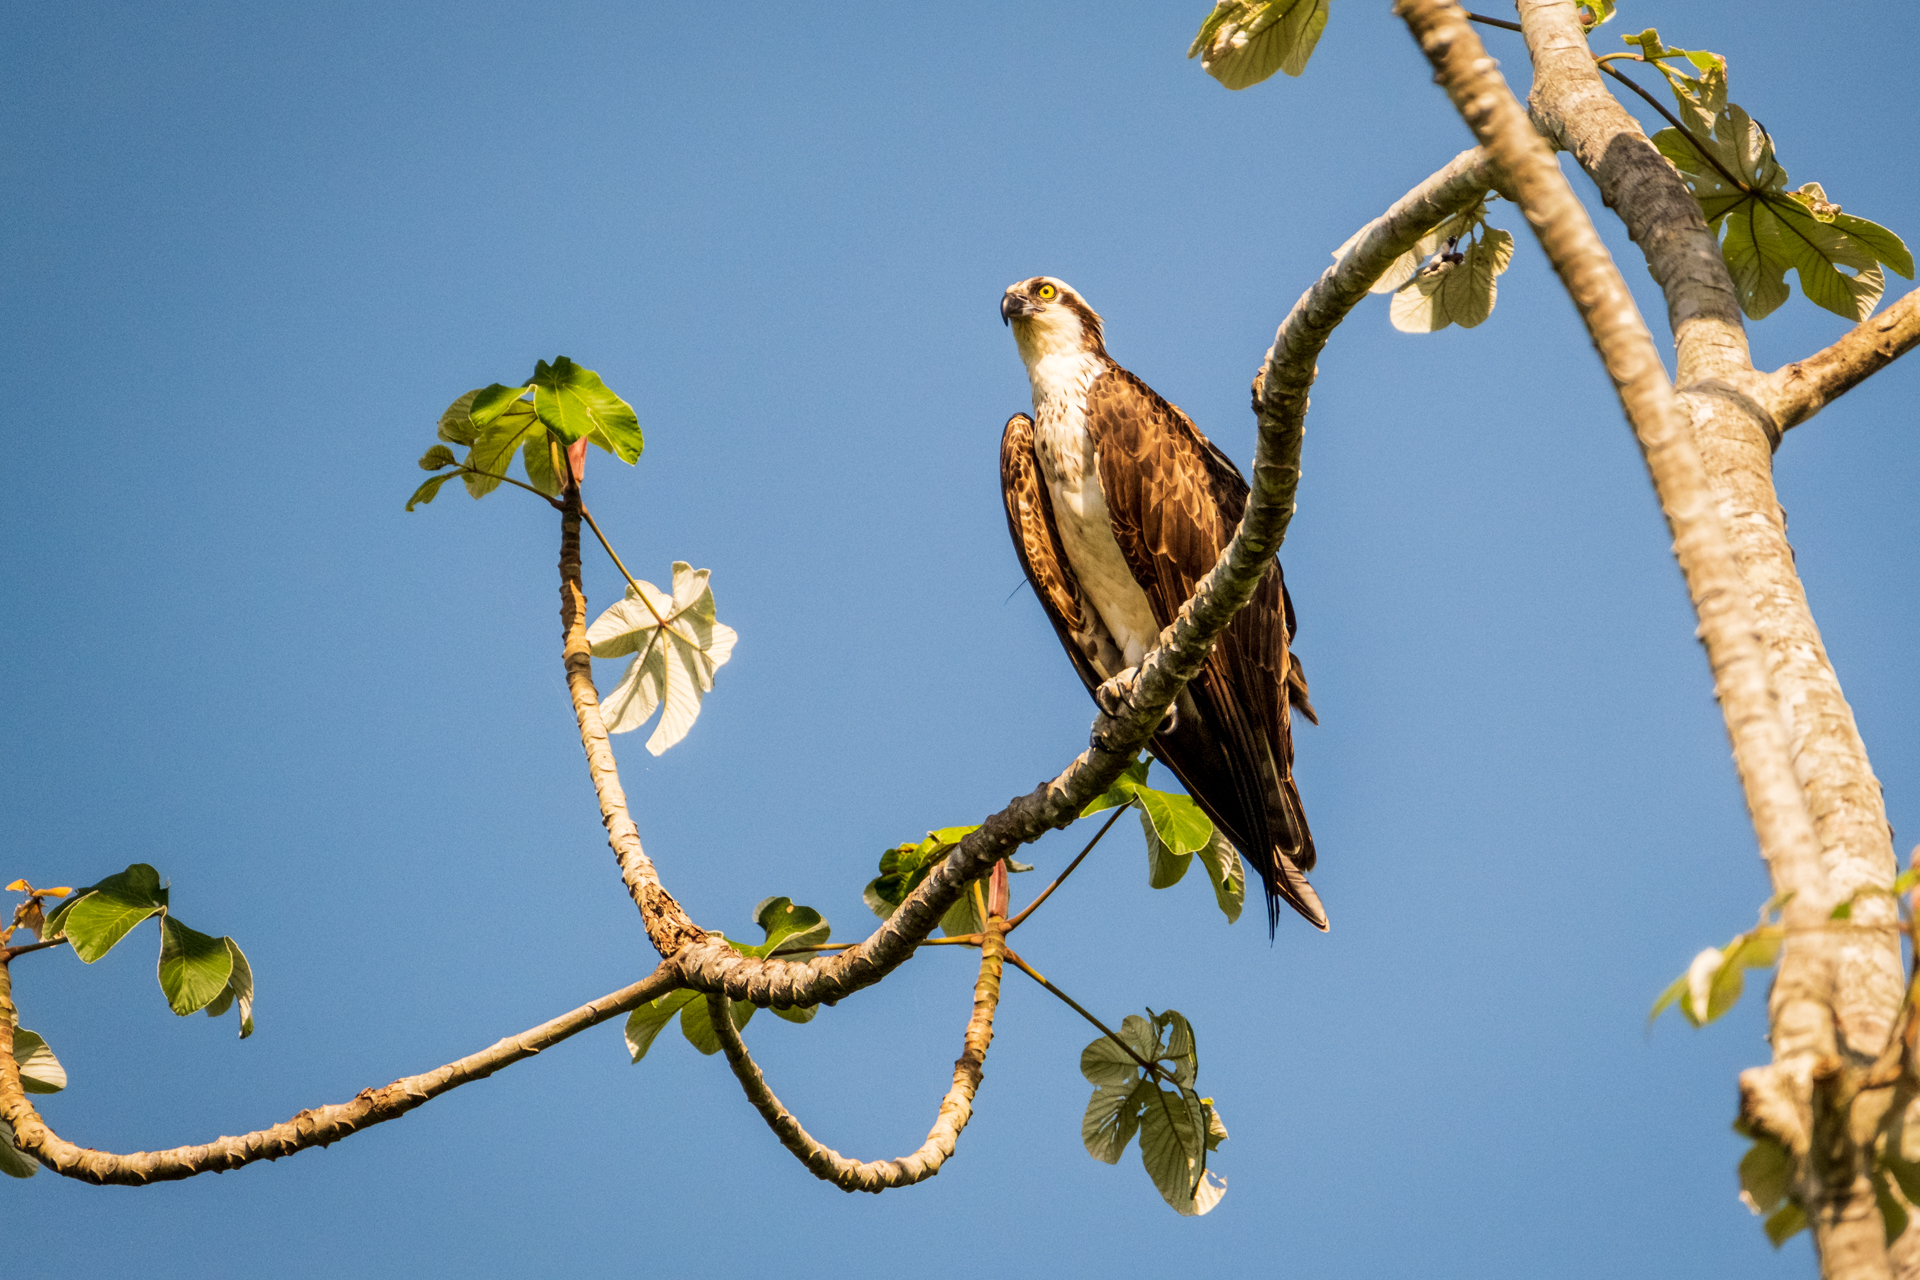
{"x":1050,"y":319}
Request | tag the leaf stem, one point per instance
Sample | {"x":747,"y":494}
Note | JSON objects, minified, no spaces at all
{"x":1502,"y":23}
{"x":1057,"y":880}
{"x":640,"y":595}
{"x":1152,"y":1069}
{"x":8,"y":953}
{"x":547,"y":498}
{"x":1674,"y":120}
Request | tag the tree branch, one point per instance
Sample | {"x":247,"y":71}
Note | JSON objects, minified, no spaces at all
{"x":315,"y":1128}
{"x":1797,"y":391}
{"x":956,"y":1108}
{"x":708,"y":964}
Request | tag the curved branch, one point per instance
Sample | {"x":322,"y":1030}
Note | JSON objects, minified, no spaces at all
{"x":315,"y":1128}
{"x":1795,"y":392}
{"x":955,"y":1109}
{"x":710,"y":965}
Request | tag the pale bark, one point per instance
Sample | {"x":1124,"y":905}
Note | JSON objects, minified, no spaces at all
{"x":1797,"y":391}
{"x":956,"y":1108}
{"x":1737,"y":417}
{"x":318,"y":1127}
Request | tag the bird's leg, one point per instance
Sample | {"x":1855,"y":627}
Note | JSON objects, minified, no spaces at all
{"x":1112,"y":693}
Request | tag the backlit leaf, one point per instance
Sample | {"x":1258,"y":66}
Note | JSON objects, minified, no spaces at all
{"x":1766,"y":1175}
{"x":645,"y":1022}
{"x":1445,"y":292}
{"x":1111,"y":1119}
{"x":696,"y":1023}
{"x":576,"y":405}
{"x":1242,"y":42}
{"x":98,"y":917}
{"x":903,"y":867}
{"x":1173,"y":1147}
{"x":428,"y":491}
{"x":194,"y":968}
{"x":1122,"y":790}
{"x":239,"y":990}
{"x":1789,"y":1222}
{"x":1226,"y":873}
{"x":40,"y":1071}
{"x":676,"y":645}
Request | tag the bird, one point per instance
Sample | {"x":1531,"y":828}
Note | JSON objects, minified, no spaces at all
{"x":1118,"y":506}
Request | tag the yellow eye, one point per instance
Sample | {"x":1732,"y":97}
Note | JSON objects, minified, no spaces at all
{"x":1044,"y":291}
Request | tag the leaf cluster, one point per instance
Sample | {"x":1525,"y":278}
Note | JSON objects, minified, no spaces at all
{"x":495,"y":423}
{"x":904,"y":866}
{"x":1728,"y":161}
{"x":1143,"y":1082}
{"x":1714,"y":981}
{"x":789,"y":929}
{"x":1450,"y":276}
{"x":196,"y":971}
{"x":1177,"y":832}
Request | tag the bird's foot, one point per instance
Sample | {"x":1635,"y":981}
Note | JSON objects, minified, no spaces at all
{"x":1112,"y":693}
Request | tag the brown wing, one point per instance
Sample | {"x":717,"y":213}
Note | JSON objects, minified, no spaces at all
{"x":1036,"y":540}
{"x":1175,"y":500}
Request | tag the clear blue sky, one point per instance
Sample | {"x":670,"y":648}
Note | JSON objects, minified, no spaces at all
{"x":252,"y":250}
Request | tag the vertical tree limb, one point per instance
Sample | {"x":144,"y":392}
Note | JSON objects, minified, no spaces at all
{"x":1847,"y":1231}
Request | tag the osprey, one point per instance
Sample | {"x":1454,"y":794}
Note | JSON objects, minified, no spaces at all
{"x":1118,"y":506}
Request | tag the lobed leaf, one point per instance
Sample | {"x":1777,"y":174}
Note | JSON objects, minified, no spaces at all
{"x":576,"y":405}
{"x":676,"y":644}
{"x":1243,"y":42}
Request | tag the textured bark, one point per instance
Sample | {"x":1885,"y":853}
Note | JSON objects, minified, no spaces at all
{"x":1737,"y":417}
{"x":668,"y":926}
{"x":956,"y":1108}
{"x":1797,"y":391}
{"x":318,"y":1127}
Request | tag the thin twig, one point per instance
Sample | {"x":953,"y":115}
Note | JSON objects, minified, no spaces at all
{"x":1059,"y":879}
{"x":8,"y":953}
{"x":1152,"y":1069}
{"x":1674,"y":120}
{"x":1502,"y":23}
{"x":547,"y":498}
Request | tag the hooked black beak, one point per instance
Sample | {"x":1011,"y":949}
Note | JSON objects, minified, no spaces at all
{"x":1011,"y":305}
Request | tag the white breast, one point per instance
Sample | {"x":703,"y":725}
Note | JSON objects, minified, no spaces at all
{"x":1071,"y":468}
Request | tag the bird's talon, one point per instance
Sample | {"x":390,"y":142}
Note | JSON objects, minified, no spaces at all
{"x":1110,"y":695}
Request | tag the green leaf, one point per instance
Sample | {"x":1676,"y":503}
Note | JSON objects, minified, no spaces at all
{"x":696,"y":1024}
{"x":1445,"y":292}
{"x":1901,"y":1157}
{"x":438,"y":457}
{"x":903,"y":867}
{"x":491,"y":402}
{"x":537,"y":456}
{"x":575,"y":404}
{"x":1105,"y":1063}
{"x":788,"y":927}
{"x":429,"y":491}
{"x":1243,"y":42}
{"x":1164,"y":866}
{"x":456,"y":424}
{"x":1122,"y":791}
{"x":1842,"y":912}
{"x":1766,"y":1175}
{"x":1227,"y":874}
{"x":1789,"y":1222}
{"x":1906,"y":880}
{"x":194,"y":968}
{"x":105,"y":913}
{"x":1401,"y":269}
{"x":645,"y":1022}
{"x":40,"y":1071}
{"x":511,"y":426}
{"x":1112,"y":1118}
{"x":14,"y":1162}
{"x":677,"y":646}
{"x":1893,"y":1214}
{"x":239,"y":990}
{"x":799,"y":1013}
{"x":1180,"y":1053}
{"x":1594,"y":12}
